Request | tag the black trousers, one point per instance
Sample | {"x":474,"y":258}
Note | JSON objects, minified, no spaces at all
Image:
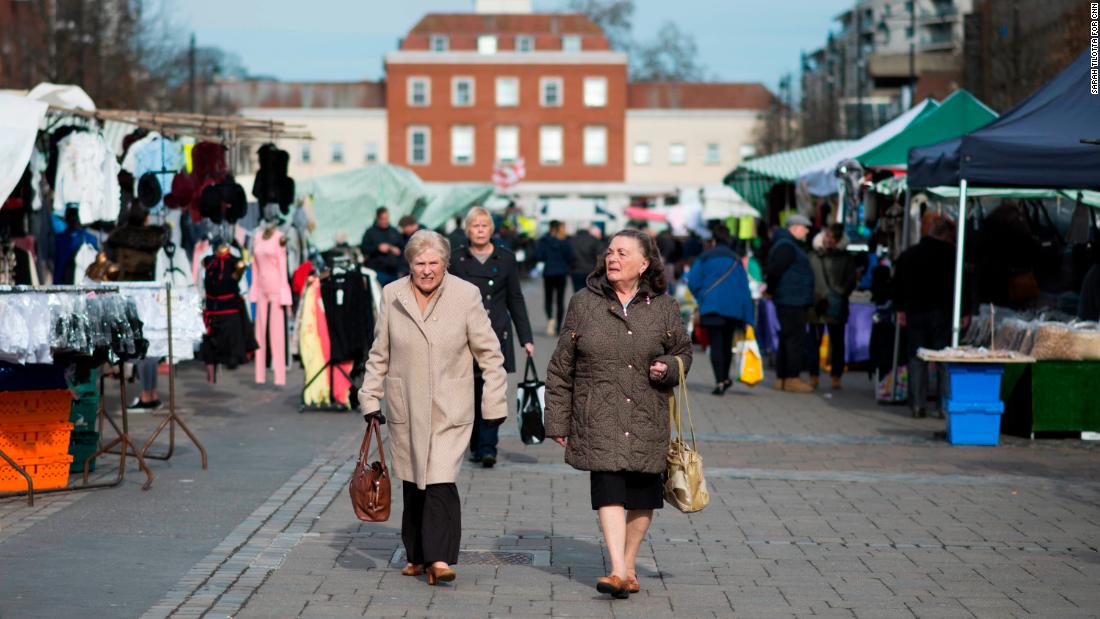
{"x":836,"y":348}
{"x":580,"y":281}
{"x":553,"y":287}
{"x":930,"y":330}
{"x":720,"y":333}
{"x":792,"y":340}
{"x":431,"y":523}
{"x":483,"y":439}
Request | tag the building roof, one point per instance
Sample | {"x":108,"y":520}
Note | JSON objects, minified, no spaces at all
{"x":531,"y":23}
{"x":327,"y":95}
{"x":698,"y":95}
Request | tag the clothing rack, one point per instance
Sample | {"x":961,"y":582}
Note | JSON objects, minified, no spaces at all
{"x":101,"y":412}
{"x":334,"y":405}
{"x":172,"y":419}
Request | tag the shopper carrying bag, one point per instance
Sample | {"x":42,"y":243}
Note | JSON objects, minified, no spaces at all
{"x":685,"y":486}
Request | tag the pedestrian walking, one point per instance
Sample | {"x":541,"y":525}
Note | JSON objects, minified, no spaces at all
{"x":720,"y":285}
{"x":924,"y":291}
{"x":408,"y":226}
{"x":431,"y":329}
{"x":381,"y":246}
{"x":607,"y":394}
{"x":494,"y":271}
{"x":587,"y":251}
{"x":835,"y":277}
{"x":790,"y":281}
{"x":556,"y":254}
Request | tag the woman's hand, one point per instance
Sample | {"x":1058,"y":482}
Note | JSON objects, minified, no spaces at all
{"x":561,"y":440}
{"x":530,"y":348}
{"x":658,"y":370}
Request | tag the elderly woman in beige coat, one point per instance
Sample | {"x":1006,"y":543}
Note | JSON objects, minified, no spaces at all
{"x":431,"y":328}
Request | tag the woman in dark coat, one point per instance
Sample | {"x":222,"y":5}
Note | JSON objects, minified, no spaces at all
{"x":607,"y":393}
{"x":495,"y":272}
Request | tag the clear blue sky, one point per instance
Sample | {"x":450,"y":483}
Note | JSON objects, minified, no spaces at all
{"x":739,"y":40}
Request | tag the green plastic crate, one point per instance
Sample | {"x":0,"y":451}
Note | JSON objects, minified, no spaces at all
{"x":81,"y":446}
{"x":82,"y":413}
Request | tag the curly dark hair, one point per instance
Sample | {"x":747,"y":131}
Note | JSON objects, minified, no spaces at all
{"x":654,"y":276}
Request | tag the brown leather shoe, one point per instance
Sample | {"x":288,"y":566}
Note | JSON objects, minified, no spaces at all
{"x":778,"y":384}
{"x":612,"y":585}
{"x":815,"y":381}
{"x":440,"y":574}
{"x":632,"y":585}
{"x":797,"y":385}
{"x":412,"y":570}
{"x":836,"y":382}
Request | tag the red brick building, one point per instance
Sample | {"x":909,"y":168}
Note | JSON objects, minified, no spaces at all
{"x":466,"y":91}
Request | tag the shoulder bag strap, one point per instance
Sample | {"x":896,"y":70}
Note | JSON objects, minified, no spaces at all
{"x":719,"y":280}
{"x":684,"y":404}
{"x":364,"y":448}
{"x":377,"y":427}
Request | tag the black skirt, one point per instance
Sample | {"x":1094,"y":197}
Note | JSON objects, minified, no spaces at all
{"x":627,"y":488}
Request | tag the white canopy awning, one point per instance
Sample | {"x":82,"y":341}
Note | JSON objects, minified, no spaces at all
{"x":19,"y":121}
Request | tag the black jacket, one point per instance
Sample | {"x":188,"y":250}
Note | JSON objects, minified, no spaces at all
{"x":924,"y":277}
{"x":556,"y":254}
{"x":498,"y":281}
{"x":382,"y":262}
{"x":586,"y":252}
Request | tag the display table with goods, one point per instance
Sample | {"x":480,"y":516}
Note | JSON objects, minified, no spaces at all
{"x":972,"y":394}
{"x":1060,"y":391}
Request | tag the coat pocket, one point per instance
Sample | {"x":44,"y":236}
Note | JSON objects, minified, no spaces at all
{"x":456,"y":399}
{"x":396,"y":409}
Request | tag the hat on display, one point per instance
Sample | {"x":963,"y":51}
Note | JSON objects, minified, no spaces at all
{"x":273,"y":185}
{"x":148,"y":190}
{"x":224,"y":201}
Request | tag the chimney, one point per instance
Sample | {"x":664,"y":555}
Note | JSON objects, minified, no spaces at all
{"x":492,"y":7}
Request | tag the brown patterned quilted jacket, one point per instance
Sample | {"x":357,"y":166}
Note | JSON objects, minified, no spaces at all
{"x":598,"y":391}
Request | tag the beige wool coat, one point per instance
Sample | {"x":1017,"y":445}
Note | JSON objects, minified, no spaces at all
{"x":424,"y":368}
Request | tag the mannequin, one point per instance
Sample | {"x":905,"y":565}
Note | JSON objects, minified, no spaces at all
{"x":271,"y":293}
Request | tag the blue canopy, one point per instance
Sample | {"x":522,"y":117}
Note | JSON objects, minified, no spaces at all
{"x":1035,"y":144}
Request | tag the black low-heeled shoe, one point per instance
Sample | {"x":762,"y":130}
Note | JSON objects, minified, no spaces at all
{"x":726,"y":384}
{"x":717,"y":389}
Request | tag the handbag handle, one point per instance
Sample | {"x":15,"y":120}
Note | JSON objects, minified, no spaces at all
{"x":364,"y":450}
{"x":677,"y":403}
{"x":530,"y":369}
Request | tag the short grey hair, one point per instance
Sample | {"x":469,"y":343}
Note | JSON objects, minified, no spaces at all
{"x":476,"y":213}
{"x":424,"y":240}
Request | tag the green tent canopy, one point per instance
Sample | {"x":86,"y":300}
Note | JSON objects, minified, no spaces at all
{"x":960,"y":113}
{"x":447,"y":200}
{"x":897,"y":185}
{"x":754,"y":178}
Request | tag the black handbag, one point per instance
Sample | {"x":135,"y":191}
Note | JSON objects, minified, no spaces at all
{"x":530,"y":400}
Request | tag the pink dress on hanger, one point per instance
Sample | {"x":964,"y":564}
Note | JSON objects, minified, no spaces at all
{"x":271,"y":293}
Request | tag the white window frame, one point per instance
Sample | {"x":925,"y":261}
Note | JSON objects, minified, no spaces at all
{"x":370,"y":152}
{"x":435,"y":38}
{"x":543,"y":83}
{"x":544,"y":131}
{"x":336,"y":153}
{"x":460,"y":79}
{"x":647,"y":149}
{"x":592,"y":156}
{"x":455,"y":130}
{"x":497,"y":141}
{"x":708,"y":149}
{"x":409,"y":132}
{"x":594,"y":97}
{"x":486,"y":44}
{"x":672,"y":148}
{"x":572,"y":38}
{"x":530,"y":39}
{"x":497,"y":91}
{"x":411,"y":88}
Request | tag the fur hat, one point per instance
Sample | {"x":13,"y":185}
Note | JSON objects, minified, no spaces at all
{"x":224,"y":201}
{"x":272,"y":184}
{"x":148,"y":190}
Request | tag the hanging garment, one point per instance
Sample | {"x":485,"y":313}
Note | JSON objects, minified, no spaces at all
{"x":174,"y":268}
{"x":87,"y":174}
{"x":312,"y":352}
{"x":153,"y":154}
{"x":85,"y":257}
{"x":270,"y":292}
{"x":229,"y":336}
{"x":336,"y":373}
{"x":66,"y":245}
{"x":349,"y":314}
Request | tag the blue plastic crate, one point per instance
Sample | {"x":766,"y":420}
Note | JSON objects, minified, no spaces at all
{"x":974,"y":382}
{"x":974,"y":423}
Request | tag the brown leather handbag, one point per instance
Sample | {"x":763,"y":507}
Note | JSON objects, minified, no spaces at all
{"x":370,"y":485}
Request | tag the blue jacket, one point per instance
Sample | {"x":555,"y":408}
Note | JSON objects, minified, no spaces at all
{"x":556,"y":254}
{"x":790,"y":276}
{"x":731,"y":297}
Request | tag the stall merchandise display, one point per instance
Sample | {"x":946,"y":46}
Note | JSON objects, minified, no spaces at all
{"x":87,"y":174}
{"x":39,"y":325}
{"x":152,"y":308}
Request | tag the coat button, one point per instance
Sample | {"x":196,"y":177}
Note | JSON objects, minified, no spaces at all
{"x":626,"y":434}
{"x":628,"y":400}
{"x":629,"y":332}
{"x":630,"y":365}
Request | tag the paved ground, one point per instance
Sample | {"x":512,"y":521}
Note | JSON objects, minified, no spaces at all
{"x":821,"y":505}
